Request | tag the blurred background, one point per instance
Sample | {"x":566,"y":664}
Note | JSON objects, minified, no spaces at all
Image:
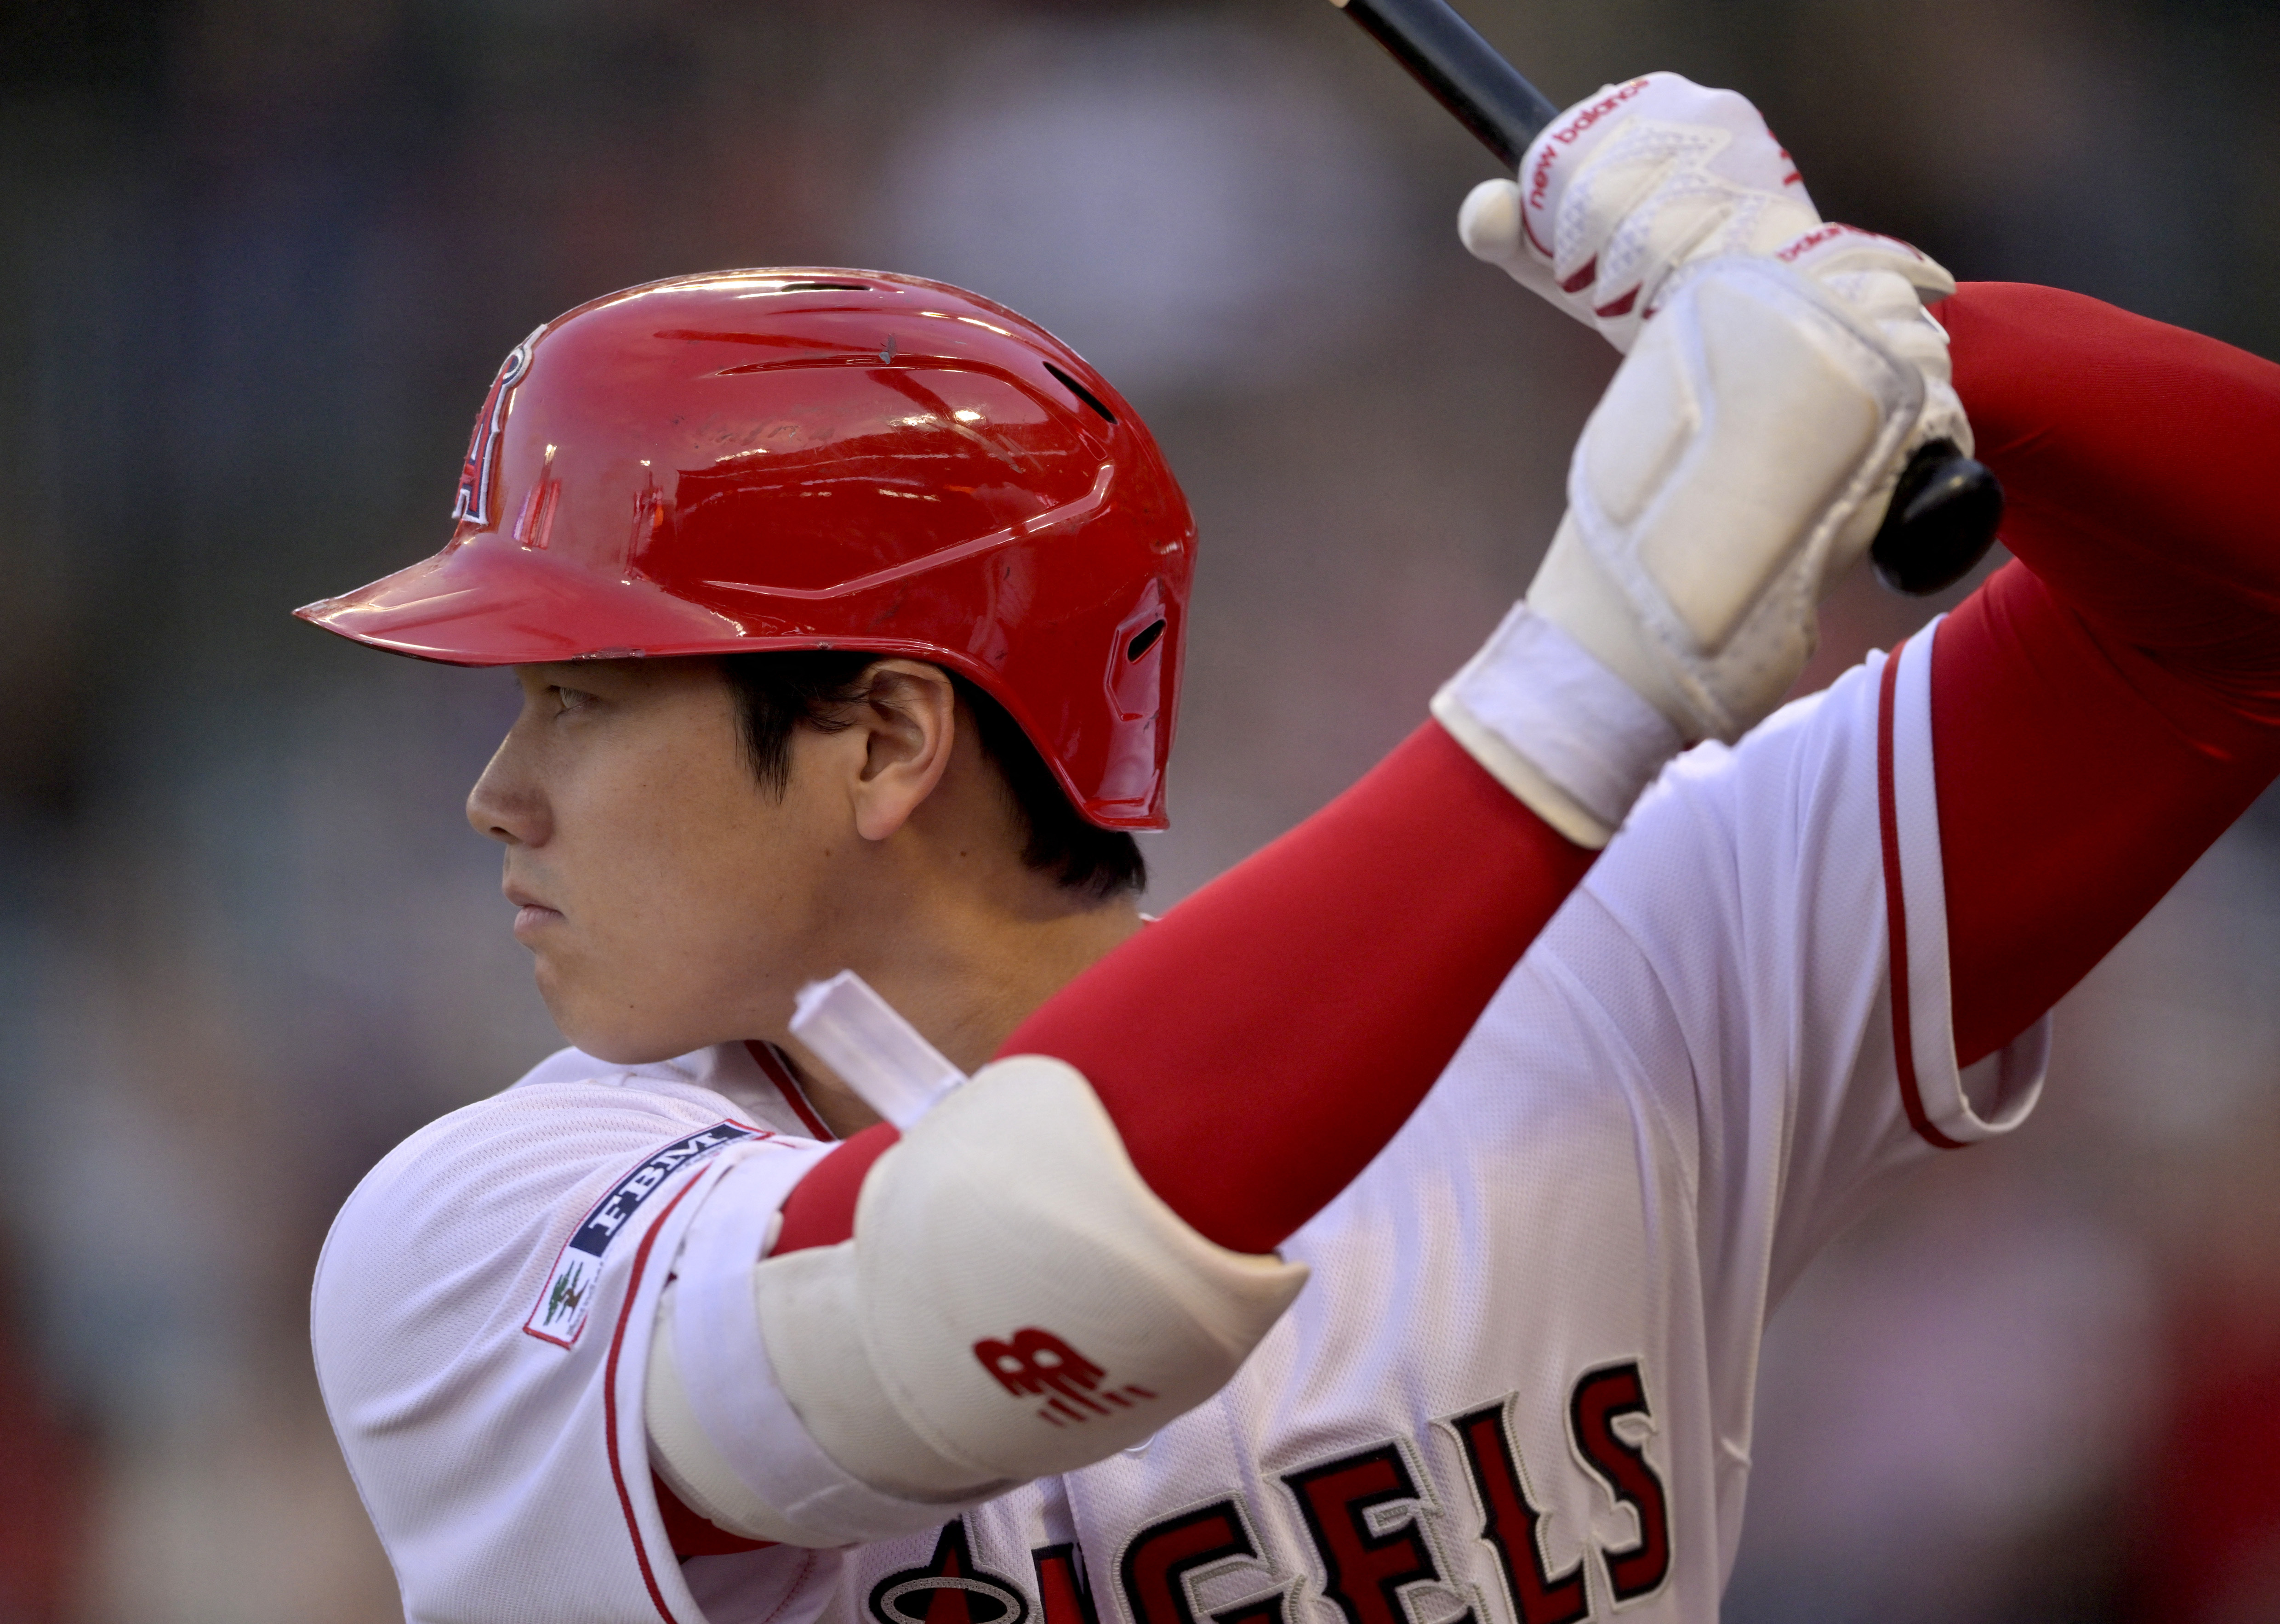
{"x":258,"y":261}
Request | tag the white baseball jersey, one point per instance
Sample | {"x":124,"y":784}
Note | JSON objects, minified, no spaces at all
{"x":1516,"y":1390}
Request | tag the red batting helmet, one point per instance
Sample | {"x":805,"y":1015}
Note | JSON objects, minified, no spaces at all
{"x":802,"y":458}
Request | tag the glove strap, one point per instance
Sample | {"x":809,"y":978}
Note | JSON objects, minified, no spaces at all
{"x":1556,"y":728}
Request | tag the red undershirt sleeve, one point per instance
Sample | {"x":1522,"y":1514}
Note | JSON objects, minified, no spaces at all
{"x":1260,"y":1043}
{"x":2104,"y":707}
{"x":2101,"y":712}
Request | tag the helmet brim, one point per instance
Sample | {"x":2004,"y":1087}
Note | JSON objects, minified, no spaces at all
{"x":452,"y":608}
{"x":474,"y":604}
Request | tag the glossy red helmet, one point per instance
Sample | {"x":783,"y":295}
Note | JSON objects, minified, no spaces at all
{"x":750,"y":460}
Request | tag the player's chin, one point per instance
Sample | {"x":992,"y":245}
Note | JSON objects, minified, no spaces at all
{"x":568,"y":998}
{"x":605,"y":1023}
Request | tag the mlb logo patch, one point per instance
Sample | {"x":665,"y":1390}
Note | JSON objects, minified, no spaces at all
{"x":562,"y":1307}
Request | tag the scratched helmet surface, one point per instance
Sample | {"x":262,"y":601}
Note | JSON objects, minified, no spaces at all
{"x":802,"y":458}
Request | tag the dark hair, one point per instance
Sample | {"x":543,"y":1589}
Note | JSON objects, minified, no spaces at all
{"x":778,"y":692}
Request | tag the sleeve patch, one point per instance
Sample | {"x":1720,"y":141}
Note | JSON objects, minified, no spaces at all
{"x":560,"y":1314}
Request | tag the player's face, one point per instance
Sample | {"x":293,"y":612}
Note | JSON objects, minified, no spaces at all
{"x":670,"y":901}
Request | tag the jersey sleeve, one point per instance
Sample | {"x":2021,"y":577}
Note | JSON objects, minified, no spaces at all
{"x":481,"y":1320}
{"x":1771,"y":927}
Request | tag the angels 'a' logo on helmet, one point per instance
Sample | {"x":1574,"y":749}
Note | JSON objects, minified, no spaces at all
{"x":474,"y":501}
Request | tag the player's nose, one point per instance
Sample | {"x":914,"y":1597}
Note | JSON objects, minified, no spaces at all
{"x":505,"y":805}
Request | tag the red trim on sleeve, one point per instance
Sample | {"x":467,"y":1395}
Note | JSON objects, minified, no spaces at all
{"x":787,"y":1080}
{"x":610,"y":1402}
{"x":1896,"y":915}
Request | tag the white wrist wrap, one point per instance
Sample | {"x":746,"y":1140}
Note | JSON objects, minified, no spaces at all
{"x":1016,"y":1301}
{"x":1556,"y":728}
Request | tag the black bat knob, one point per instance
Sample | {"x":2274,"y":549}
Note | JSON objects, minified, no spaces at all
{"x":1940,"y":523}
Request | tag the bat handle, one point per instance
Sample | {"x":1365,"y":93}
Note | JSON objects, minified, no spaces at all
{"x":1943,"y":511}
{"x":1460,"y":70}
{"x":1939,"y":523}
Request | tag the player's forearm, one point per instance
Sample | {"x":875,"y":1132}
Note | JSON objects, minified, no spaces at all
{"x":2142,"y":465}
{"x":2098,"y":721}
{"x":1261,"y":1044}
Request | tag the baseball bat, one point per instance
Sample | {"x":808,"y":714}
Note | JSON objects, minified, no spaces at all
{"x":1945,"y":510}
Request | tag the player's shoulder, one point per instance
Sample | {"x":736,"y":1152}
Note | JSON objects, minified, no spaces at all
{"x":450,"y":1238}
{"x":495,"y":1176}
{"x":565,"y":1111}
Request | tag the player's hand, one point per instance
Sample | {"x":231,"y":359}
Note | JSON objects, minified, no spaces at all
{"x":1736,"y":467}
{"x":1633,"y":184}
{"x":1734,"y":472}
{"x":1627,"y":186}
{"x":1887,"y":283}
{"x":1633,"y":188}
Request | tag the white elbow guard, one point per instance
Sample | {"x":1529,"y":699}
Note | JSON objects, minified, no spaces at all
{"x":1015,"y":1302}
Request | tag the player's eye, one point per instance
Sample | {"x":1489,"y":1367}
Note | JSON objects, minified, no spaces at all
{"x":570,"y":698}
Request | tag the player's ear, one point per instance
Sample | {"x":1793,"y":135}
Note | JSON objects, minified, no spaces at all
{"x":907,"y":719}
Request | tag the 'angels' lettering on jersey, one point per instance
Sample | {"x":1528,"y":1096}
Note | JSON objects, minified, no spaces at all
{"x":1385,"y":1549}
{"x":560,"y":1314}
{"x":1365,"y":1513}
{"x":1511,"y":1523}
{"x":1163,"y":1562}
{"x":1063,"y":1588}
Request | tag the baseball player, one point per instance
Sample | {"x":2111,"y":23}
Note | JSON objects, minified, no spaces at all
{"x":1254,"y":1279}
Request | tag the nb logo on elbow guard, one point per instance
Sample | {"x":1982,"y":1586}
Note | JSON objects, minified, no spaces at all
{"x":1038,"y":1362}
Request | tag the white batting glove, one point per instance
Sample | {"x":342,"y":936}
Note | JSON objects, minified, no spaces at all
{"x":1628,"y":190}
{"x":1736,"y":468}
{"x":1887,"y":283}
{"x":1627,"y":186}
{"x":1630,"y":184}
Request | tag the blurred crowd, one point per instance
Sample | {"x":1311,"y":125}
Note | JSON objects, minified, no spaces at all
{"x":258,"y":261}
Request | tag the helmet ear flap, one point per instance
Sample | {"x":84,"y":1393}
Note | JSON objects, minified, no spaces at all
{"x":815,"y":458}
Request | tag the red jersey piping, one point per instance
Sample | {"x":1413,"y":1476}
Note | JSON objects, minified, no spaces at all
{"x":787,"y":1082}
{"x":610,"y":1402}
